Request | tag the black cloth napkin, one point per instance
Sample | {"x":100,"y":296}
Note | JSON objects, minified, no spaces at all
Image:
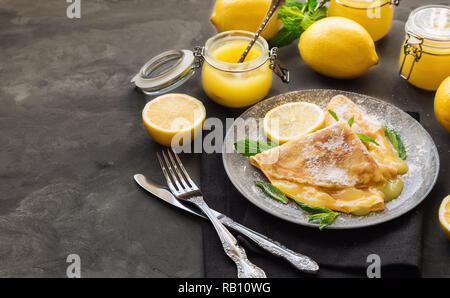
{"x":340,"y":253}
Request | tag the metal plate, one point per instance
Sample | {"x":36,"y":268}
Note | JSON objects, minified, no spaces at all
{"x":422,"y":159}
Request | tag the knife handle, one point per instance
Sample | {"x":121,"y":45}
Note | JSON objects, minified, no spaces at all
{"x":299,"y":261}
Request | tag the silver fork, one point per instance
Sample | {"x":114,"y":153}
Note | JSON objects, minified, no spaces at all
{"x":182,"y":186}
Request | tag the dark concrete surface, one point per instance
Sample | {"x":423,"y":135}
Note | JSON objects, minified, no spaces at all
{"x":71,"y":137}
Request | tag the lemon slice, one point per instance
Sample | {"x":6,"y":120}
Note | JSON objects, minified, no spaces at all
{"x":292,"y":120}
{"x":444,"y":216}
{"x":173,"y":117}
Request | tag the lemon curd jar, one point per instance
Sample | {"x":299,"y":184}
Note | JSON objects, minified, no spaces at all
{"x":374,"y":15}
{"x":223,"y":79}
{"x":234,"y":84}
{"x":425,"y":53}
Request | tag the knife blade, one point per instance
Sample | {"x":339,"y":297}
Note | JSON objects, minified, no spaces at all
{"x":299,"y":261}
{"x":164,"y":194}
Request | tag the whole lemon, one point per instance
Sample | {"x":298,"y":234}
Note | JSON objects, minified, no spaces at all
{"x":442,"y":104}
{"x":244,"y":15}
{"x":338,"y":47}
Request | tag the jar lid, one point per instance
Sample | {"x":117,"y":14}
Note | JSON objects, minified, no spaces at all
{"x":430,"y":22}
{"x":365,"y":4}
{"x":165,"y":72}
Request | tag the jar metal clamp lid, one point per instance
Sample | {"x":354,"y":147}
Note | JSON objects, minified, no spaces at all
{"x":280,"y":71}
{"x":171,"y":69}
{"x":429,"y":26}
{"x":165,"y":72}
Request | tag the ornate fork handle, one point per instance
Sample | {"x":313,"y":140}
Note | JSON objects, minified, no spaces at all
{"x":299,"y":261}
{"x":245,"y":268}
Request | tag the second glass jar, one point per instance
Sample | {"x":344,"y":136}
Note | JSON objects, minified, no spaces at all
{"x":374,"y":15}
{"x":425,"y":53}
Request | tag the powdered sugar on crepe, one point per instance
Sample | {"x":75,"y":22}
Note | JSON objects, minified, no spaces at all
{"x":327,"y":172}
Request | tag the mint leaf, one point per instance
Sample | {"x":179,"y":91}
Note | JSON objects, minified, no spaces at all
{"x":284,"y":37}
{"x":317,"y":216}
{"x":324,"y":219}
{"x":312,"y":209}
{"x":311,"y":4}
{"x":323,"y":216}
{"x":251,"y":147}
{"x":332,"y":113}
{"x":291,"y":16}
{"x":291,"y":3}
{"x":396,"y":142}
{"x":272,"y":191}
{"x":365,"y":138}
{"x":296,"y":18}
{"x":351,"y":120}
{"x":328,"y":220}
{"x":313,"y":17}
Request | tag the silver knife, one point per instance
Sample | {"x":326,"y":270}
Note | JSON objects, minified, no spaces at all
{"x":299,"y":261}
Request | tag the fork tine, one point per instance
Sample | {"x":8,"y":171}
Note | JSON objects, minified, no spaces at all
{"x":174,"y":164}
{"x":166,"y":175}
{"x":172,"y":174}
{"x":180,"y":164}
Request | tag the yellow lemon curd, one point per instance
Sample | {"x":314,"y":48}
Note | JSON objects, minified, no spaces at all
{"x":431,"y":69}
{"x":233,"y":84}
{"x":374,"y":15}
{"x":427,"y":47}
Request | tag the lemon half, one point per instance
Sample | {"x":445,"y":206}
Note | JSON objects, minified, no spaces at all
{"x":444,"y":216}
{"x":292,"y":120}
{"x":173,"y":115}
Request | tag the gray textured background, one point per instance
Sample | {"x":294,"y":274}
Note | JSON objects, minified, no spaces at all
{"x":71,"y":137}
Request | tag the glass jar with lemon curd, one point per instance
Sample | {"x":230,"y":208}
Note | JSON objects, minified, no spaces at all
{"x":374,"y":15}
{"x":223,"y":79}
{"x":425,"y":53}
{"x":235,"y":84}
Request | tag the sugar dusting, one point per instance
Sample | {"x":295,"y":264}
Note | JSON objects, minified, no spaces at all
{"x":340,"y":111}
{"x":323,"y":169}
{"x":337,"y":141}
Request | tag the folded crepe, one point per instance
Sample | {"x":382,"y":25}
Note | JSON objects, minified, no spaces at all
{"x":384,"y":155}
{"x":333,"y":157}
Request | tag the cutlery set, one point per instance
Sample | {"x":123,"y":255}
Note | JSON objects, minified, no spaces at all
{"x":182,"y":189}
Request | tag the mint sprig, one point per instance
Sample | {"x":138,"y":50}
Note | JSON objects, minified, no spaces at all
{"x":396,"y":142}
{"x":350,"y":121}
{"x":251,"y":147}
{"x":296,"y":18}
{"x":333,"y":114}
{"x":366,"y":138}
{"x":323,"y":216}
{"x":272,"y":191}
